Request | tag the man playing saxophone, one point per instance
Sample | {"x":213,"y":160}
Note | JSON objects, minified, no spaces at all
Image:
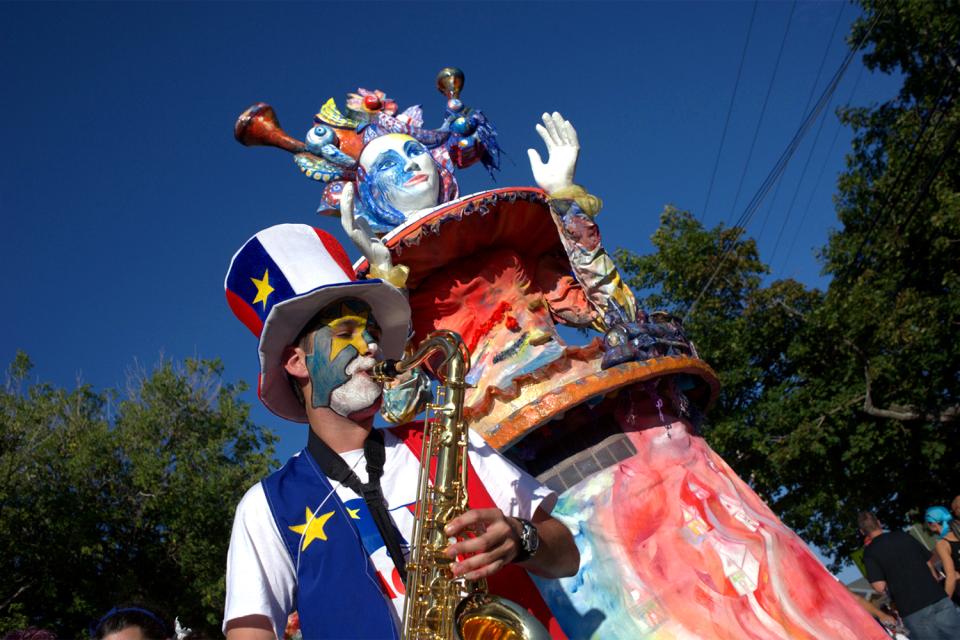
{"x":327,"y":534}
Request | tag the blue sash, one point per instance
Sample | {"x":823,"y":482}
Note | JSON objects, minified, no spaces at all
{"x":338,"y":591}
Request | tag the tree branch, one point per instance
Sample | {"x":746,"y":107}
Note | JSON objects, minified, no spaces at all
{"x":6,"y":603}
{"x":904,"y":413}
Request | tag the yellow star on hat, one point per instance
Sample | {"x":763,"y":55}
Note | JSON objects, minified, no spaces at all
{"x":263,"y":288}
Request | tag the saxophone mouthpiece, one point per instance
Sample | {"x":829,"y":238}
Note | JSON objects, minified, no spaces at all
{"x":386,"y":370}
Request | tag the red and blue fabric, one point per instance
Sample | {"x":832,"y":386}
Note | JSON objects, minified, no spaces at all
{"x":339,"y":594}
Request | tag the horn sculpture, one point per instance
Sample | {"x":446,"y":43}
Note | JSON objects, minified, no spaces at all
{"x":258,"y":125}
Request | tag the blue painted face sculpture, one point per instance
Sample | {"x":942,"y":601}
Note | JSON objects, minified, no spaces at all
{"x":401,"y":173}
{"x":344,"y":348}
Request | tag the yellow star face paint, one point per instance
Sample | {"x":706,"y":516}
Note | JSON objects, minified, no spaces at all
{"x":349,"y":329}
{"x":342,"y":355}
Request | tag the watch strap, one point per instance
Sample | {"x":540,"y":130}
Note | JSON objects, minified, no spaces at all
{"x":529,"y":540}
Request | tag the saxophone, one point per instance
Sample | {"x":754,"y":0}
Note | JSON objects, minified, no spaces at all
{"x":439,"y":606}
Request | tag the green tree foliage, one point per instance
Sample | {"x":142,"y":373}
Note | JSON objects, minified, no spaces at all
{"x":846,"y":399}
{"x":106,"y":499}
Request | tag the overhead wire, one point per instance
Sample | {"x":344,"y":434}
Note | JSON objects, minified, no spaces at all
{"x":813,"y":145}
{"x":785,"y":157}
{"x":810,"y":94}
{"x":907,"y":167}
{"x":823,"y":167}
{"x":763,"y":108}
{"x":726,"y":124}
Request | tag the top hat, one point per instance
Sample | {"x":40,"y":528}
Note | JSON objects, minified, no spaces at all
{"x":278,"y":281}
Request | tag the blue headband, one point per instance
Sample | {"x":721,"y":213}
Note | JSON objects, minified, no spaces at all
{"x":118,"y":610}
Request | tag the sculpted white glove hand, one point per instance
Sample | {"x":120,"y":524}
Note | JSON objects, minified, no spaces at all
{"x":563,"y":147}
{"x":373,"y":250}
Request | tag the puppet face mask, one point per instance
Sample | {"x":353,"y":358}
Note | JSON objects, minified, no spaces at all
{"x":344,"y":352}
{"x":401,"y":173}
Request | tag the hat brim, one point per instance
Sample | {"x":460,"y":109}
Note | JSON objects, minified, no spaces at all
{"x":287,"y":319}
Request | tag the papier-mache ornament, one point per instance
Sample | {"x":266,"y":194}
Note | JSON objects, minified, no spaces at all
{"x":332,"y":150}
{"x":673,"y":543}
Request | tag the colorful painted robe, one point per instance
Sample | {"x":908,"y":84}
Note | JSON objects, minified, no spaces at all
{"x":673,"y":544}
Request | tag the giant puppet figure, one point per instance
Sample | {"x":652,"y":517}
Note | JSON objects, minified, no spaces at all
{"x":673,"y":543}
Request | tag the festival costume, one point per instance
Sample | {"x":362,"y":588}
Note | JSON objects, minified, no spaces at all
{"x":342,"y":556}
{"x":673,"y":543}
{"x":298,"y":542}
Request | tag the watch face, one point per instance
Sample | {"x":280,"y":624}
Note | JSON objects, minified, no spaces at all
{"x":531,"y":538}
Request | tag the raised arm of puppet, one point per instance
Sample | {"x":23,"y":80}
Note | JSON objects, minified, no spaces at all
{"x":574,"y":211}
{"x":563,"y":149}
{"x":499,"y":543}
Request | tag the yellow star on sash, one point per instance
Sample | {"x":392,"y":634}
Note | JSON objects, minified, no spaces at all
{"x":355,"y":339}
{"x":354,"y":513}
{"x":263,"y":288}
{"x":312,"y":528}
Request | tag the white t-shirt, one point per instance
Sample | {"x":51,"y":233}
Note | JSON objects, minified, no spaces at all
{"x":262,"y":579}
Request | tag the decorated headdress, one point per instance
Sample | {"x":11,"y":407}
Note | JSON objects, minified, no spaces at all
{"x":280,"y":279}
{"x":330,"y":151}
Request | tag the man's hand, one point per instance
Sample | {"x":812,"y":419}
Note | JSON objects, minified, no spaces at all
{"x":498,"y":543}
{"x":495,"y":546}
{"x":359,"y":231}
{"x":886,"y":619}
{"x":563,"y":147}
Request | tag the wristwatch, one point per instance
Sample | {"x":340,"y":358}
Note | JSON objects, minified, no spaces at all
{"x":529,"y":540}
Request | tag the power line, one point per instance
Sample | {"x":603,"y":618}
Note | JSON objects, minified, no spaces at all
{"x":823,"y":167}
{"x":902,"y":178}
{"x":773,"y":204}
{"x":763,"y":109}
{"x":813,"y":87}
{"x":726,"y":124}
{"x":816,"y":138}
{"x":781,"y":164}
{"x":937,"y":165}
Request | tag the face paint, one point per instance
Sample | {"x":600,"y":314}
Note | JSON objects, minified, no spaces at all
{"x":401,"y":172}
{"x":344,"y":348}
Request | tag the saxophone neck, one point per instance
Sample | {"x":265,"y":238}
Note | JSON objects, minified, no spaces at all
{"x":455,"y":363}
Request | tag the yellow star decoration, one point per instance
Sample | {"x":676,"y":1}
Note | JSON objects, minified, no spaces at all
{"x":263,"y":288}
{"x":356,"y":339}
{"x":312,"y":528}
{"x":354,"y":513}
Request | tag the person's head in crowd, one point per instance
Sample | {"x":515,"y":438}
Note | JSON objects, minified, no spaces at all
{"x":133,"y":622}
{"x":30,"y":633}
{"x":868,"y":523}
{"x":955,"y":507}
{"x":938,"y":520}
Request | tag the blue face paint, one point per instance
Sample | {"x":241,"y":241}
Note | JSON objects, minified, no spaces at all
{"x":394,"y":168}
{"x":389,"y":172}
{"x":346,"y":328}
{"x":397,"y":176}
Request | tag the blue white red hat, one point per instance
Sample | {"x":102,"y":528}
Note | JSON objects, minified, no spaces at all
{"x":278,"y":281}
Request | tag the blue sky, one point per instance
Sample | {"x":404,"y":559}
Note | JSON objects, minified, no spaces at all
{"x":124,"y":194}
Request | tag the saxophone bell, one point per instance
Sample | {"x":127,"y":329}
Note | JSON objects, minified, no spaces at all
{"x":481,"y":616}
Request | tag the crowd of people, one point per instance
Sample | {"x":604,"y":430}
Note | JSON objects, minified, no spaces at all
{"x":922,"y":585}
